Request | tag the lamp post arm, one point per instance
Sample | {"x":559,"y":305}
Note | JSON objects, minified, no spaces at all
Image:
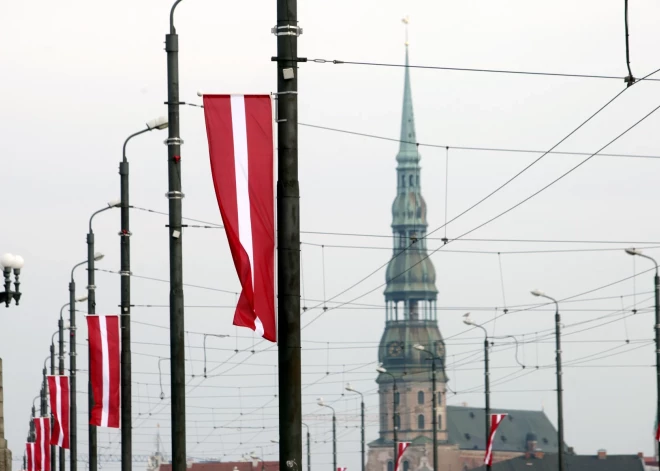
{"x":650,"y":258}
{"x":172,"y":28}
{"x":131,"y":137}
{"x":74,"y":268}
{"x":62,"y":309}
{"x":94,"y":214}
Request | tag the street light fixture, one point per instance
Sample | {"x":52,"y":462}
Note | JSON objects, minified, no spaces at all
{"x":656,"y":283}
{"x":560,"y":400}
{"x":433,"y":359}
{"x":395,"y":406}
{"x":125,"y":305}
{"x":351,"y":389}
{"x":9,"y":262}
{"x":468,"y":321}
{"x":334,"y":432}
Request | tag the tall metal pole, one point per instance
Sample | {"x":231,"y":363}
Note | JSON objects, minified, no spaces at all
{"x":309,"y":452}
{"x":487,"y":381}
{"x":560,"y":400}
{"x":91,"y":309}
{"x":174,"y":195}
{"x":334,"y":441}
{"x":60,"y":324}
{"x":288,"y":235}
{"x":73,"y":410}
{"x":394,"y":415}
{"x":53,"y":458}
{"x":435,"y":414}
{"x":43,"y":408}
{"x":350,"y":388}
{"x":656,"y":281}
{"x":33,"y":433}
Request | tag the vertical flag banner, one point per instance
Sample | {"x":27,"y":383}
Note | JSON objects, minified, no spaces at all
{"x":342,"y":469}
{"x":58,"y":391}
{"x":240,"y":134}
{"x":495,"y":421}
{"x":401,"y":448}
{"x":657,"y":434}
{"x":104,"y":351}
{"x":42,"y":444}
{"x":29,"y":451}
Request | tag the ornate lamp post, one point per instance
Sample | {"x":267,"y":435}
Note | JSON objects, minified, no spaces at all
{"x":9,"y":262}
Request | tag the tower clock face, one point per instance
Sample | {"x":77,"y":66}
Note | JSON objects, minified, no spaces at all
{"x":395,"y":349}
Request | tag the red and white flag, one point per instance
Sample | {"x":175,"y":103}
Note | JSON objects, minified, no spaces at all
{"x":400,"y":450}
{"x":342,"y":469}
{"x":495,"y":421}
{"x":240,"y":134}
{"x":657,"y":434}
{"x":29,"y":453}
{"x":42,"y":444}
{"x":58,"y":390}
{"x":104,"y":351}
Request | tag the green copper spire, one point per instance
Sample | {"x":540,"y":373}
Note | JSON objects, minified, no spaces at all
{"x":408,"y":147}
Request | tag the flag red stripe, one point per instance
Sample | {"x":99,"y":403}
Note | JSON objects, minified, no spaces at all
{"x":401,"y":449}
{"x":495,"y":421}
{"x":105,"y":369}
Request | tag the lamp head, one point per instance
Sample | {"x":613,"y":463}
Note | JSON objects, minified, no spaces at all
{"x":380,"y":369}
{"x":349,"y":387}
{"x":633,"y":251}
{"x":80,"y":299}
{"x":467,"y":320}
{"x":7,"y":261}
{"x":320,"y":402}
{"x":537,"y":292}
{"x":158,"y":123}
{"x":115,"y":203}
{"x":98,"y":256}
{"x":419,"y":347}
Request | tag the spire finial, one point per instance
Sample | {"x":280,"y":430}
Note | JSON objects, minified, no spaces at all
{"x":406,"y":20}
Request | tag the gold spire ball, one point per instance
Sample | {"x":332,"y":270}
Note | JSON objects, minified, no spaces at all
{"x":406,"y":21}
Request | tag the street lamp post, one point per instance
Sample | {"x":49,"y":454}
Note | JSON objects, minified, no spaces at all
{"x":73,"y":410}
{"x":334,"y":432}
{"x":125,"y":301}
{"x":434,"y":405}
{"x":9,"y":262}
{"x":309,"y":453}
{"x":91,"y":310}
{"x":350,"y":388}
{"x":395,"y":406}
{"x":656,"y":284}
{"x":468,"y":321}
{"x":560,"y":400}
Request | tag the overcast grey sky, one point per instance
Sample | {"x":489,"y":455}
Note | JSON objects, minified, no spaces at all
{"x":79,"y":76}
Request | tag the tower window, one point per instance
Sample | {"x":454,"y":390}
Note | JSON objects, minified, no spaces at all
{"x":420,"y":397}
{"x":412,"y":180}
{"x":403,"y":181}
{"x":439,"y":422}
{"x":439,"y":399}
{"x":390,"y":466}
{"x":397,"y":421}
{"x":420,"y":421}
{"x":396,"y":398}
{"x":406,"y":465}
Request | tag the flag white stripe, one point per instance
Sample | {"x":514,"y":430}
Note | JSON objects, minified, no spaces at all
{"x":42,"y":444}
{"x":241,"y":171}
{"x":103,"y":327}
{"x":58,"y":405}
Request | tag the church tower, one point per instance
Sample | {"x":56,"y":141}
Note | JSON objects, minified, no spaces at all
{"x":410,"y":319}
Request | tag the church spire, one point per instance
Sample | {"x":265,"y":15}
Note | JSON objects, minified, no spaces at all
{"x":407,"y":147}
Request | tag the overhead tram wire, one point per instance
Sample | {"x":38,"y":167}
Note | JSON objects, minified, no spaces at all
{"x":465,"y":69}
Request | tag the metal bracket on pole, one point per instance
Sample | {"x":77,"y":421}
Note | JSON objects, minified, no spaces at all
{"x":275,"y":96}
{"x":125,"y":273}
{"x":173,"y":141}
{"x":286,"y":30}
{"x":174,"y":195}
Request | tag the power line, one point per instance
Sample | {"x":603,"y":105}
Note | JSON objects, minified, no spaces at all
{"x":464,"y":69}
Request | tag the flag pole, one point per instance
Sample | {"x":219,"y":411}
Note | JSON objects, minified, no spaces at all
{"x":288,"y":236}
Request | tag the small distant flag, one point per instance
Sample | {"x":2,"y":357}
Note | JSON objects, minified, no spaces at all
{"x":657,"y":434}
{"x":42,"y":443}
{"x":495,"y":421}
{"x":29,"y":452}
{"x":104,"y":352}
{"x":342,"y":469}
{"x":401,"y":449}
{"x":58,"y":390}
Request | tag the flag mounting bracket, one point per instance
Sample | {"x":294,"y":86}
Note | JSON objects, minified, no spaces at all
{"x":275,"y":95}
{"x":286,"y":30}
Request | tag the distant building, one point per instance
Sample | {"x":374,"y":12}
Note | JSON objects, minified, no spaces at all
{"x":228,"y":466}
{"x":411,"y":318}
{"x":540,"y":461}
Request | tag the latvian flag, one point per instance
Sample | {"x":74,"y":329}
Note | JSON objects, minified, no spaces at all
{"x":495,"y":421}
{"x":58,"y":390}
{"x":42,"y":444}
{"x":401,"y":449}
{"x":104,"y":351}
{"x":29,"y":452}
{"x":240,"y":135}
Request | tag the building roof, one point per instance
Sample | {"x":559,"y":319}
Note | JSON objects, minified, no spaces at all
{"x":573,"y":463}
{"x":227,"y":466}
{"x":408,"y":145}
{"x":467,"y":428}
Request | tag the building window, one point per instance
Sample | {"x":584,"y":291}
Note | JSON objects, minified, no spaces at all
{"x":412,"y":180}
{"x":396,"y":398}
{"x":439,"y":422}
{"x":439,"y":399}
{"x":406,"y":465}
{"x":390,"y":466}
{"x":420,"y":397}
{"x":420,"y":421}
{"x":397,"y":421}
{"x":403,"y":181}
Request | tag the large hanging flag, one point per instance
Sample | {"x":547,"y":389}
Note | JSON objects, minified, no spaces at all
{"x":657,"y":433}
{"x":104,"y":351}
{"x":240,"y":134}
{"x":401,"y":448}
{"x":42,"y":444}
{"x":58,"y":390}
{"x":29,"y":452}
{"x":495,"y":421}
